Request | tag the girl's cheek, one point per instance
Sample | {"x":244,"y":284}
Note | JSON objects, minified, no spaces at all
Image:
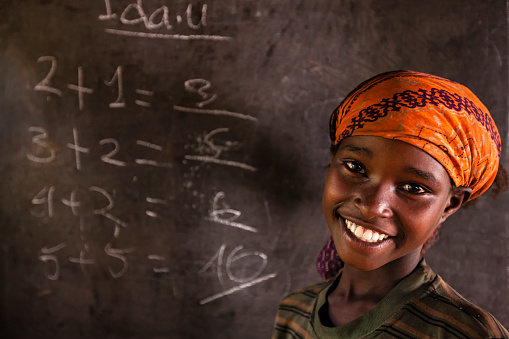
{"x":332,"y":189}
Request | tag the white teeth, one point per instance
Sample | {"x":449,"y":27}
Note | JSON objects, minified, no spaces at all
{"x":365,"y":234}
{"x":359,"y":231}
{"x":375,"y":236}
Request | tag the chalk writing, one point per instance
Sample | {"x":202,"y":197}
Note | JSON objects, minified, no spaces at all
{"x":108,"y":157}
{"x":238,"y":288}
{"x":39,"y":140}
{"x":226,"y":216}
{"x":45,"y":84}
{"x":117,"y":77}
{"x":117,"y":269}
{"x":82,"y":228}
{"x":151,"y":162}
{"x":162,"y":12}
{"x":227,"y":267}
{"x":207,"y":144}
{"x":199,"y":86}
{"x":155,"y":201}
{"x":143,"y":103}
{"x":72,"y":203}
{"x":150,"y":200}
{"x":109,"y":14}
{"x":136,"y":14}
{"x":120,"y":255}
{"x":235,"y":267}
{"x":81,"y":260}
{"x":214,"y":112}
{"x":144,"y":100}
{"x":149,"y":145}
{"x":235,"y":255}
{"x":159,"y":258}
{"x":202,"y":22}
{"x":120,"y":100}
{"x":166,"y":36}
{"x":80,"y":89}
{"x":45,"y":196}
{"x":47,"y":256}
{"x":43,"y":145}
{"x":77,"y":148}
{"x":216,"y":148}
{"x":104,"y":211}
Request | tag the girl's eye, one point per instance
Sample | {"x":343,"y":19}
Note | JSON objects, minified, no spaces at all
{"x":355,"y":167}
{"x":414,"y":188}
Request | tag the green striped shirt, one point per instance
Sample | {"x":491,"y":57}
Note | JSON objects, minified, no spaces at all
{"x":421,"y":306}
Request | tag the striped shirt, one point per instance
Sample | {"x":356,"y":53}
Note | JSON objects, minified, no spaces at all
{"x":422,"y":305}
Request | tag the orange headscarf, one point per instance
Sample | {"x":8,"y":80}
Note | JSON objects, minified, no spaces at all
{"x":442,"y":117}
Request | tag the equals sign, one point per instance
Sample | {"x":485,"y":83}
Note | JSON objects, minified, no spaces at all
{"x":143,"y":103}
{"x":160,"y":269}
{"x":154,"y":201}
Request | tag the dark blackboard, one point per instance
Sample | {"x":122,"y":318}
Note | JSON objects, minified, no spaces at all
{"x":162,"y":161}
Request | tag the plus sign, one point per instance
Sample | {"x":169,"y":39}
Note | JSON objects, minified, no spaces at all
{"x":77,"y":148}
{"x":80,"y":89}
{"x":72,"y":203}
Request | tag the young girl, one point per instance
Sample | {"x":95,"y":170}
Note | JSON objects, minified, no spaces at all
{"x":409,"y":149}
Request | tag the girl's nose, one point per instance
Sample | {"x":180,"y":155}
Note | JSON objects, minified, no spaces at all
{"x":374,"y":201}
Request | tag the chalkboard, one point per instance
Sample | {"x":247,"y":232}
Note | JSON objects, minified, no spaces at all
{"x":162,"y":161}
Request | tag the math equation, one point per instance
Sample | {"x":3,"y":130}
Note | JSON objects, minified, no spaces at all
{"x":98,"y":207}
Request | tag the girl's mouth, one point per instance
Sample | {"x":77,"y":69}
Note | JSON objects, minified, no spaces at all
{"x":364,"y":234}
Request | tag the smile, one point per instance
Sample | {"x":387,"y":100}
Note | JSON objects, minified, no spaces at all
{"x":365,"y":234}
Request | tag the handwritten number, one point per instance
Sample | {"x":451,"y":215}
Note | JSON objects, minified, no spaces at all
{"x":234,"y":256}
{"x":45,"y":196}
{"x":117,"y":77}
{"x":109,"y":206}
{"x":108,"y":158}
{"x":218,"y":149}
{"x":39,"y":140}
{"x":218,"y":256}
{"x":45,"y":84}
{"x":47,"y":255}
{"x":199,"y":86}
{"x":118,"y":254}
{"x":226,"y":216}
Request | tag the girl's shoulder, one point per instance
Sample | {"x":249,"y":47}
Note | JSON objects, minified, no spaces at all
{"x":295,"y":312}
{"x":446,"y":308}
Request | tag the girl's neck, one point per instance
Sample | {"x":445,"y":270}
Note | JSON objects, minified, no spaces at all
{"x":360,"y":291}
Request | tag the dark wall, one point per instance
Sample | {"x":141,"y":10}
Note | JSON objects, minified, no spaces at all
{"x":164,"y":177}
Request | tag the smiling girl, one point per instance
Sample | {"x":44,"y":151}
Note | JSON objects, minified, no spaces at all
{"x":408,"y":150}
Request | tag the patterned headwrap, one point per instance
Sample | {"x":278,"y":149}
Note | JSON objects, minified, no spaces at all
{"x":441,"y":117}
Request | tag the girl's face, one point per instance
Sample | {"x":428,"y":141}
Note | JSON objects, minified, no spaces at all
{"x":383,"y":199}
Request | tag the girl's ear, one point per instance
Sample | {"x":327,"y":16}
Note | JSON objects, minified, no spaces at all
{"x":457,"y":197}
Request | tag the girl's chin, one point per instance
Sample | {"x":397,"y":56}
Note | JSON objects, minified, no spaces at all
{"x":360,"y":262}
